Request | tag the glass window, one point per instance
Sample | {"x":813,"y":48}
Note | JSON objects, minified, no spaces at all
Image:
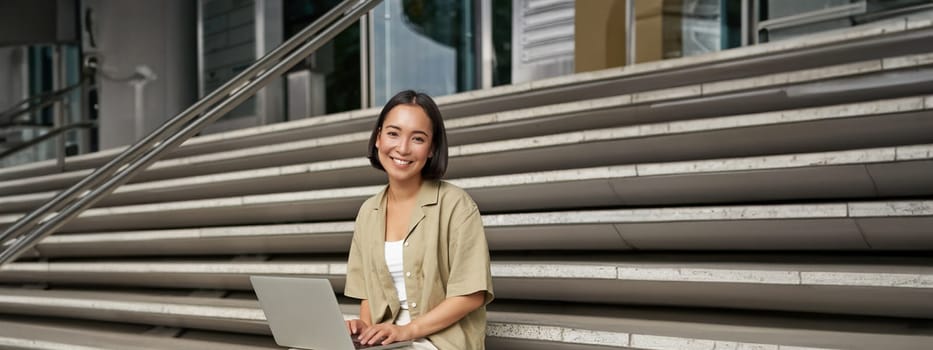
{"x":427,"y":45}
{"x":502,"y":42}
{"x":781,"y":19}
{"x":700,"y":28}
{"x":672,"y":29}
{"x":338,"y":61}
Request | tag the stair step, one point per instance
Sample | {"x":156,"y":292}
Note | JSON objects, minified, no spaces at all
{"x":519,"y":324}
{"x":855,"y":286}
{"x":20,"y":334}
{"x":884,"y":225}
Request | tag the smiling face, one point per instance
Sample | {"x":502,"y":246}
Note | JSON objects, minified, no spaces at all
{"x":404,"y":143}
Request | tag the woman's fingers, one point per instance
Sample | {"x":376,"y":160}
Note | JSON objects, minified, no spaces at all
{"x":384,"y":332}
{"x":390,"y":338}
{"x":367,"y":334}
{"x":355,"y":326}
{"x":381,"y":334}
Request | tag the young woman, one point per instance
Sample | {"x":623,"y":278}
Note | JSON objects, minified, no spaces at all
{"x":419,"y":262}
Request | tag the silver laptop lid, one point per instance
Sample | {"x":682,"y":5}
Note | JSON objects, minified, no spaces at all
{"x":303,"y":313}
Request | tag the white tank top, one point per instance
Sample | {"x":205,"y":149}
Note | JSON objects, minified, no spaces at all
{"x":393,"y":252}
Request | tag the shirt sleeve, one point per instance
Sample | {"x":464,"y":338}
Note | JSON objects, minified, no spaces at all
{"x":355,"y":286}
{"x":469,"y":256}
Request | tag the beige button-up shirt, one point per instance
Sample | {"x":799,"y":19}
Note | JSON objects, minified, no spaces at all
{"x":445,"y":254}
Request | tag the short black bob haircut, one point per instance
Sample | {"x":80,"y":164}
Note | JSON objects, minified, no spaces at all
{"x":436,"y":165}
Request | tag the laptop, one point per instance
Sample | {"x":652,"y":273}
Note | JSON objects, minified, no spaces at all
{"x":303,"y":313}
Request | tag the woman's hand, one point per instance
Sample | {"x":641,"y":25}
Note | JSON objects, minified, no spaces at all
{"x":356,"y":326}
{"x":385,"y":333}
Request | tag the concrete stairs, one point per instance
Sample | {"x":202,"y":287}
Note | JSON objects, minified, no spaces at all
{"x":769,"y":197}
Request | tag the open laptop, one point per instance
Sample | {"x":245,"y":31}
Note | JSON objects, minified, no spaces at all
{"x":303,"y":313}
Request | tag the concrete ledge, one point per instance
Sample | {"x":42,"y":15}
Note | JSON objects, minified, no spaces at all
{"x":39,"y":335}
{"x":31,"y":343}
{"x":832,"y":226}
{"x":897,"y":288}
{"x":527,"y":326}
{"x":910,"y":274}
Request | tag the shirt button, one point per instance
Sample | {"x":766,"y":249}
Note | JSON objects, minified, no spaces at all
{"x":406,"y":244}
{"x":414,"y":305}
{"x":408,"y":274}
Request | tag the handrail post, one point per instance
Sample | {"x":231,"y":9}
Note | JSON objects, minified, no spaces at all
{"x":58,"y":108}
{"x":88,"y":73}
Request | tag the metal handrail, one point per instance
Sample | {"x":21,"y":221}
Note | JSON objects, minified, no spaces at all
{"x":44,"y":100}
{"x":146,"y":151}
{"x":52,"y":133}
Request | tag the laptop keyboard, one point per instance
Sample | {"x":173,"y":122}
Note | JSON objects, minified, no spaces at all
{"x":358,"y":345}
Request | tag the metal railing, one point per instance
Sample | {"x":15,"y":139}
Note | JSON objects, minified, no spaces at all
{"x":56,"y":100}
{"x":45,"y":137}
{"x":12,"y":118}
{"x":35,"y":103}
{"x":31,"y":228}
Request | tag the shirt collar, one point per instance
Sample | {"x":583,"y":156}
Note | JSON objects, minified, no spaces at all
{"x":427,"y":195}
